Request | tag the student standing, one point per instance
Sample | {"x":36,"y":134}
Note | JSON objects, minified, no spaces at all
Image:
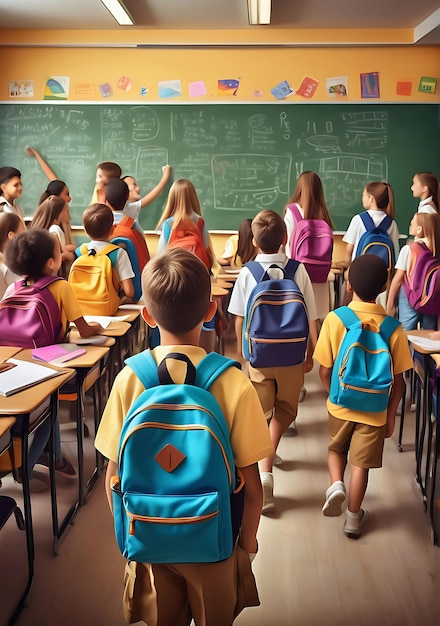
{"x":357,"y":434}
{"x":176,"y":287}
{"x":135,"y":202}
{"x":278,"y":387}
{"x":10,"y":226}
{"x":11,"y":189}
{"x":425,"y":186}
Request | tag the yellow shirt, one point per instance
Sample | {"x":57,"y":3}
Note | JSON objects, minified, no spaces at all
{"x":327,"y":347}
{"x":233,"y":391}
{"x":70,"y":309}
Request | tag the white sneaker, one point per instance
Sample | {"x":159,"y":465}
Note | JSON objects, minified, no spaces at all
{"x":354,"y":523}
{"x":267,"y":483}
{"x":334,"y":499}
{"x":302,"y":394}
{"x":292,"y":431}
{"x":277,"y":460}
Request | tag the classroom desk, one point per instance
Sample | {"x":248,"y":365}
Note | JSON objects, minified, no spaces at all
{"x":23,"y":404}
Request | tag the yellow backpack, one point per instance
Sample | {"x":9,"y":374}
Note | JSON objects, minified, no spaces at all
{"x":95,"y":281}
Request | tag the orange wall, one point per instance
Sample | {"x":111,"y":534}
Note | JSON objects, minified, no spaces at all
{"x":259,"y":69}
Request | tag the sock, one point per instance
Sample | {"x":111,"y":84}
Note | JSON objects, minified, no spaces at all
{"x":353,"y":516}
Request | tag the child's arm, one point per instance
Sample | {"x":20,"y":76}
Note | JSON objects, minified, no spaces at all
{"x":253,"y":501}
{"x":325,"y":374}
{"x":348,"y":254}
{"x":239,"y":333}
{"x":396,"y":283}
{"x":313,"y":338}
{"x":128,"y":289}
{"x":47,"y":170}
{"x":157,"y":190}
{"x":87,"y":330}
{"x":223,"y":261}
{"x":112,"y":470}
{"x":395,"y":398}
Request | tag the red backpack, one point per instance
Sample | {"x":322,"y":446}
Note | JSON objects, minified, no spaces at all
{"x":189,"y":236}
{"x":126,"y":229}
{"x":30,"y":316}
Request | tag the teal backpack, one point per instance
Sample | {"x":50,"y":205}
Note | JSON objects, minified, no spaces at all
{"x":173,"y":499}
{"x":362,"y":374}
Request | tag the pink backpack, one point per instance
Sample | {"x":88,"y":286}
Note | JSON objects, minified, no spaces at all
{"x":422,"y":280}
{"x":312,"y":245}
{"x":30,"y":316}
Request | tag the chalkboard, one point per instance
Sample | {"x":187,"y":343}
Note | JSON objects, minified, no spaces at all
{"x":241,"y":158}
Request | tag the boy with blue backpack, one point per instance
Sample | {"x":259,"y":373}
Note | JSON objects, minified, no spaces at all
{"x":183,"y":432}
{"x":363,"y":354}
{"x":275,"y":323}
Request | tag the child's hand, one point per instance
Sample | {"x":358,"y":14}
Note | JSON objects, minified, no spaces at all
{"x":308,"y":364}
{"x":166,"y":169}
{"x":29,"y":151}
{"x":97,"y":328}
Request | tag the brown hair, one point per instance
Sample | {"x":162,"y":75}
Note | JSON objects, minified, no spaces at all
{"x":9,"y":222}
{"x":97,"y":220}
{"x":246,"y":249}
{"x":182,"y":201}
{"x":48,"y":211}
{"x":28,"y":252}
{"x":112,"y":170}
{"x":269,"y":231}
{"x":176,"y":287}
{"x":430,"y":225}
{"x":383,"y":195}
{"x":309,"y":194}
{"x":430,"y":180}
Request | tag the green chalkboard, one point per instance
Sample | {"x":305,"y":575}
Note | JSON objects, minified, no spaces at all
{"x":241,"y":158}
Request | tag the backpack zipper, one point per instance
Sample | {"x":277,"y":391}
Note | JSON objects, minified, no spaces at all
{"x":134,"y":517}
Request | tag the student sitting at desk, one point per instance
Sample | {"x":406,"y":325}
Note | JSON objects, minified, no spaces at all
{"x":36,"y":254}
{"x":10,"y":226}
{"x":239,"y":248}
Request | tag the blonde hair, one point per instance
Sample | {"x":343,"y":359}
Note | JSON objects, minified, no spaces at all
{"x":48,"y":211}
{"x":309,"y":194}
{"x":430,"y":225}
{"x":383,"y":196}
{"x":182,"y":202}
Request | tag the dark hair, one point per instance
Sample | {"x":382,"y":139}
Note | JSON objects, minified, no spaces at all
{"x":9,"y":222}
{"x":112,"y":170}
{"x":6,"y":173}
{"x":246,"y":249}
{"x":54,"y":188}
{"x":28,"y":252}
{"x":269,"y":231}
{"x":177,"y":288}
{"x":116,"y":193}
{"x":383,"y":195}
{"x":368,"y":276}
{"x":309,"y":194}
{"x":97,"y":220}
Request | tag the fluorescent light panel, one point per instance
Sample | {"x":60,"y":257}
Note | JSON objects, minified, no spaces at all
{"x":119,"y":12}
{"x":259,"y":11}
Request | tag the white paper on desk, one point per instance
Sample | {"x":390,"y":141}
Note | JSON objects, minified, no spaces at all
{"x":104,"y":320}
{"x":430,"y":345}
{"x":25,"y":374}
{"x":137,"y":306}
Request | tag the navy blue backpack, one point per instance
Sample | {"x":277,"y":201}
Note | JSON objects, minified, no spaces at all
{"x":276,"y":322}
{"x":376,"y":240}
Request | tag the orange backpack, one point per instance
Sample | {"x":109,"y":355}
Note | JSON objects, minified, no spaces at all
{"x":189,"y":236}
{"x":126,"y":229}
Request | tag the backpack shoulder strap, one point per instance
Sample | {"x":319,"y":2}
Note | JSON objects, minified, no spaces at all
{"x":126,"y":221}
{"x":256,"y":269}
{"x":108,"y":249}
{"x":145,"y":368}
{"x":388,"y":326}
{"x":290,"y":268}
{"x":293,"y":208}
{"x":385,"y":223}
{"x":210,"y":368}
{"x":82,"y":249}
{"x":347,"y":316}
{"x":45,"y":280}
{"x":367,"y":220}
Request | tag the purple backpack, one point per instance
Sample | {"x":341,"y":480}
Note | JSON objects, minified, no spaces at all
{"x":422,"y":280}
{"x":312,"y":245}
{"x":30,"y":316}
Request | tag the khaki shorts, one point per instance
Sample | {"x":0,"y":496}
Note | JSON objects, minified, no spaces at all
{"x":173,"y":594}
{"x":278,"y":389}
{"x":364,"y":444}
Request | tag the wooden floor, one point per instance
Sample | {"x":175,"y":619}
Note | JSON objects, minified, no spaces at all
{"x":308,"y":572}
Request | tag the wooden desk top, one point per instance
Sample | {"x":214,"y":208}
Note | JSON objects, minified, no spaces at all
{"x":117,"y":329}
{"x":6,"y":352}
{"x":129,"y":315}
{"x":5,"y":424}
{"x":88,"y":360}
{"x":218,"y":291}
{"x":426,"y":334}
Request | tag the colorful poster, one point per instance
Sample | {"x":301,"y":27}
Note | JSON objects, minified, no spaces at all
{"x":404,"y":87}
{"x":85,"y":89}
{"x":227,"y":87}
{"x":197,"y":88}
{"x":125,"y":83}
{"x":169,"y":89}
{"x":106,"y":90}
{"x":57,"y":88}
{"x":427,"y":84}
{"x":282,"y":90}
{"x":308,"y":87}
{"x":21,"y":88}
{"x":337,"y":86}
{"x":370,"y":85}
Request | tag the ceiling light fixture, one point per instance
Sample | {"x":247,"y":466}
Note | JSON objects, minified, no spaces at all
{"x":259,"y":11}
{"x":119,"y":12}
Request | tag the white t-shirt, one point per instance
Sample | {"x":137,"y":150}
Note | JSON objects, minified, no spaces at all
{"x":118,"y":216}
{"x":246,"y":282}
{"x":403,"y":259}
{"x":59,"y":233}
{"x":427,"y":206}
{"x":123,"y":265}
{"x":356,"y":229}
{"x":7,"y":207}
{"x":6,"y":278}
{"x":132,"y":209}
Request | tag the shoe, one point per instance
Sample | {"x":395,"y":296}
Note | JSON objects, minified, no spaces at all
{"x":292,"y":431}
{"x":277,"y":460}
{"x":334,"y":499}
{"x":267,"y":483}
{"x":302,"y":394}
{"x":63,"y":466}
{"x":354,"y":523}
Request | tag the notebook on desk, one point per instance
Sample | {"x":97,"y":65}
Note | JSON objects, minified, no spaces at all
{"x":23,"y":375}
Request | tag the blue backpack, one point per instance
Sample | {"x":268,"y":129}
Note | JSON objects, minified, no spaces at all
{"x":362,"y":374}
{"x":127,"y":244}
{"x":173,"y":498}
{"x":376,"y":240}
{"x":276,"y":322}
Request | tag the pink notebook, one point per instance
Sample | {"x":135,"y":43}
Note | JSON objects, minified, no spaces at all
{"x":50,"y":353}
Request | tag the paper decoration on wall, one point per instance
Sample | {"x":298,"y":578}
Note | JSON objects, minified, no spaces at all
{"x":169,"y":89}
{"x":57,"y":88}
{"x":258,"y":93}
{"x":282,"y":90}
{"x":125,"y":83}
{"x":370,"y":85}
{"x":427,"y":84}
{"x":21,"y":88}
{"x":404,"y":87}
{"x":197,"y":88}
{"x":106,"y":90}
{"x":85,"y":89}
{"x":337,"y":86}
{"x":227,"y":87}
{"x":308,"y":87}
{"x":143,"y":91}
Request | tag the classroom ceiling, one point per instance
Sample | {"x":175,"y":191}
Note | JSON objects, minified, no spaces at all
{"x":223,"y":15}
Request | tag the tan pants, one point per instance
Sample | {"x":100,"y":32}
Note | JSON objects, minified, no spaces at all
{"x":212,"y":594}
{"x":278,"y":389}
